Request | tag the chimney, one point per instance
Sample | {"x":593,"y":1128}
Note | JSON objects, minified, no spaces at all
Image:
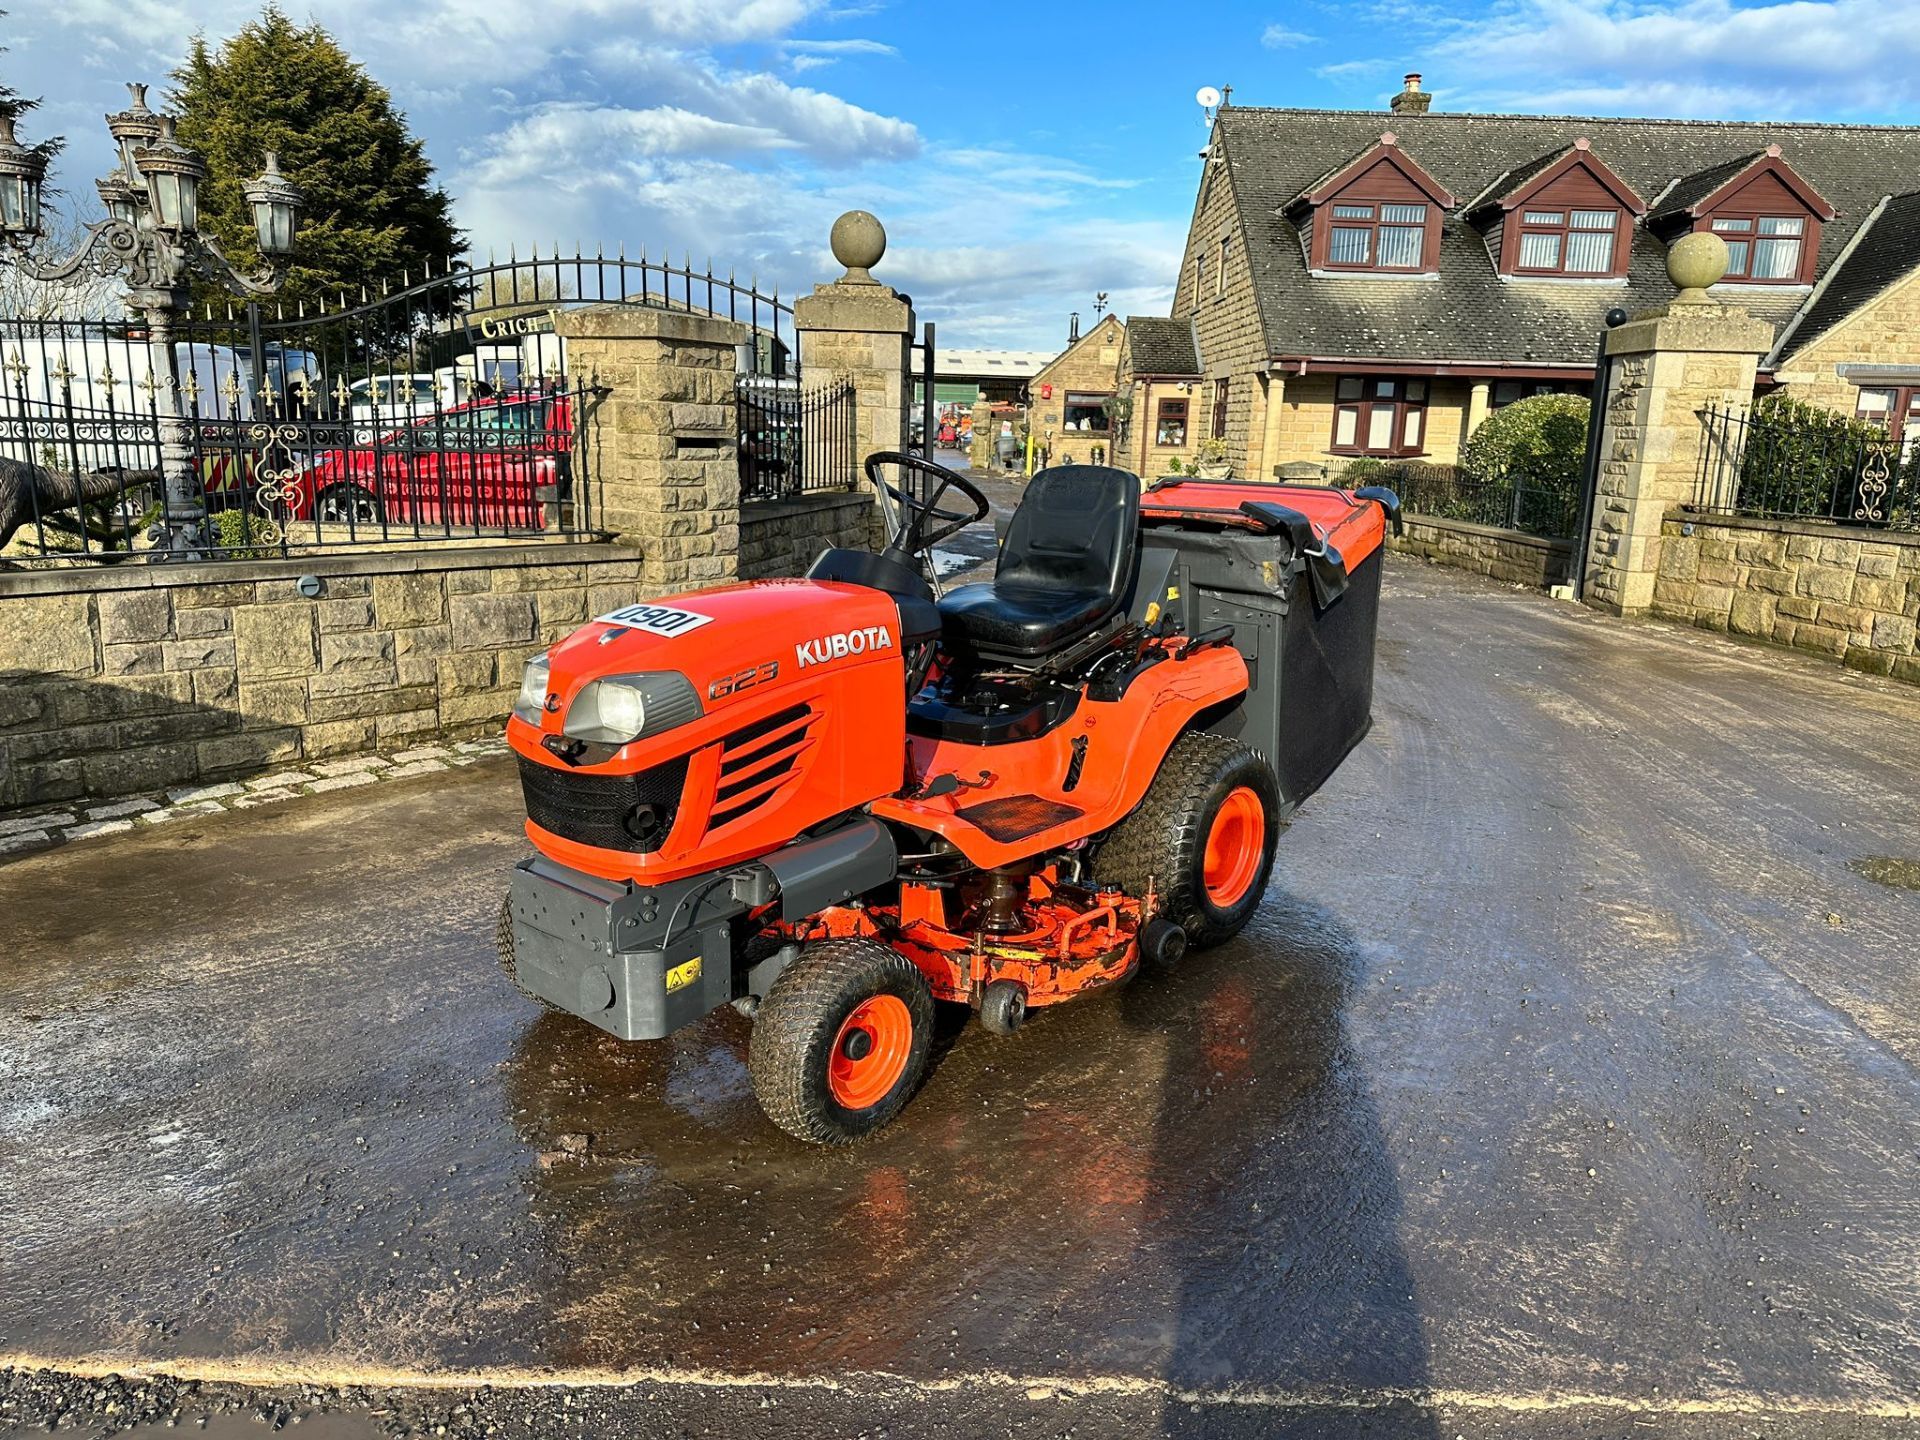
{"x":1412,"y":100}
{"x":1073,"y":328}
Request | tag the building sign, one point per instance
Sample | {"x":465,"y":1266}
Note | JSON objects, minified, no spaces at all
{"x":512,"y":327}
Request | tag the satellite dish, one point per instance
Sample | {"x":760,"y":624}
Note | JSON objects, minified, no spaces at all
{"x":1206,"y":97}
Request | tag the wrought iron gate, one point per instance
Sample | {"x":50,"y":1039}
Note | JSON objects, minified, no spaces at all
{"x":443,"y":409}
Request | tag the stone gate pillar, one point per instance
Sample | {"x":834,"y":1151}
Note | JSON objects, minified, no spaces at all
{"x":861,"y":330}
{"x":661,"y":444}
{"x":1669,"y":364}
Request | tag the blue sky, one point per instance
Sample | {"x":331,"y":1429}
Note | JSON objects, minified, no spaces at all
{"x":1022,"y":157}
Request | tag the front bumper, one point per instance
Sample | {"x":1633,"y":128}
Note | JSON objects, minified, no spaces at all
{"x":641,"y":961}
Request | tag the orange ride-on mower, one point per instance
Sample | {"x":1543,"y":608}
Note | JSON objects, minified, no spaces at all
{"x":833,"y":801}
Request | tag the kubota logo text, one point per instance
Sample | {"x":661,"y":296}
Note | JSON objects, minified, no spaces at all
{"x":866,"y":639}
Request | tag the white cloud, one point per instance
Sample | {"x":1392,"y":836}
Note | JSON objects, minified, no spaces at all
{"x":1697,"y":57}
{"x":1281,"y":37}
{"x":1350,"y":69}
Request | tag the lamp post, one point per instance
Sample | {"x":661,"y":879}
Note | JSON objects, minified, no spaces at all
{"x":152,"y":236}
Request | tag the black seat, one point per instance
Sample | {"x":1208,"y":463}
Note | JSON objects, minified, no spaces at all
{"x":1066,"y":566}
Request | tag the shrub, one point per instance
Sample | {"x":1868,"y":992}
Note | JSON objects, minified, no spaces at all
{"x":1543,"y":438}
{"x":1801,"y":459}
{"x":239,"y":534}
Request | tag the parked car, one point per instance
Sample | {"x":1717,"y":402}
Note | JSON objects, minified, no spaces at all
{"x":484,"y":463}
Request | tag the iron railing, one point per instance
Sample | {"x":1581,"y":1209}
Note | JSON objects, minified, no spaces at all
{"x":1511,"y":498}
{"x":1807,"y":465}
{"x":443,"y":410}
{"x":795,"y":441}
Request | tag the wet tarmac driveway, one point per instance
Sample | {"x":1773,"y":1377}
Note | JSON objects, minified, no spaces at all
{"x":1565,"y":1083}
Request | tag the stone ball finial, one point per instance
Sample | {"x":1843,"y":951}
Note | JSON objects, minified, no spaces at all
{"x":859,"y":240}
{"x":1694,"y":262}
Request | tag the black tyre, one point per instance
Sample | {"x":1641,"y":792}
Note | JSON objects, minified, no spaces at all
{"x":1003,"y":1007}
{"x":503,"y":942}
{"x":1202,"y":837}
{"x":841,"y":1040}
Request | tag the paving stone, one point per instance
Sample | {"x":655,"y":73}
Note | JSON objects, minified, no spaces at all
{"x":263,"y":797}
{"x":21,"y":824}
{"x":119,"y":808}
{"x":421,"y":752}
{"x":25,"y":840}
{"x":481,"y":747}
{"x":418,"y":767}
{"x":194,"y":793}
{"x":341,"y":782}
{"x":349,"y":766}
{"x":99,"y":827}
{"x":283,"y":781}
{"x":181,"y":812}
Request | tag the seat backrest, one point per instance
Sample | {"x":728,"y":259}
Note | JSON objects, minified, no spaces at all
{"x":1077,"y":528}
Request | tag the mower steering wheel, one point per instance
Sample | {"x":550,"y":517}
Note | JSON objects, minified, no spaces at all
{"x":915,"y":512}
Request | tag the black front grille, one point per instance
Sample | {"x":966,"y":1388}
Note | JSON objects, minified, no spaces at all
{"x":615,"y":812}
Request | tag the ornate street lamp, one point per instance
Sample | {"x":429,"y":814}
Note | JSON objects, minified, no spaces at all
{"x":21,"y":171}
{"x":152,"y":236}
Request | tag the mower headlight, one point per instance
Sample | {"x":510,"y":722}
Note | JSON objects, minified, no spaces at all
{"x":532,"y":698}
{"x":623,"y":708}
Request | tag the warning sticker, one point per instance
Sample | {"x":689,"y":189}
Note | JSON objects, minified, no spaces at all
{"x":683,"y":975}
{"x":654,"y":619}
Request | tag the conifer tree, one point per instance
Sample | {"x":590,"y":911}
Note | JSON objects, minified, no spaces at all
{"x":372,"y":210}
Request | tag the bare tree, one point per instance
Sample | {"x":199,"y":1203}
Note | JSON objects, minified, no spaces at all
{"x":86,"y":296}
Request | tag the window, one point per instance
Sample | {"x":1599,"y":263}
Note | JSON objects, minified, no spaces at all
{"x":1199,"y":278}
{"x":1170,"y":423}
{"x":1220,"y":276}
{"x":1220,"y":411}
{"x":1505,"y":392}
{"x":1763,"y":249}
{"x":1376,"y":236}
{"x":1894,"y":409}
{"x":1567,"y":242}
{"x":1084,"y":412}
{"x":1379,"y":417}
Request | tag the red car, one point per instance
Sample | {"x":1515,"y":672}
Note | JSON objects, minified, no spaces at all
{"x":487,"y":463}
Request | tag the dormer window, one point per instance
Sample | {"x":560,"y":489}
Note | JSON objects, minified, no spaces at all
{"x":1566,"y":215}
{"x":1764,"y":249}
{"x":1567,"y":242}
{"x":1379,"y":213}
{"x":1382,"y":236}
{"x":1769,"y":216}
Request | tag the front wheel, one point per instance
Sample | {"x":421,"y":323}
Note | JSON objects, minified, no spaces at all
{"x":1202,"y":838}
{"x":841,"y":1041}
{"x":347,"y":505}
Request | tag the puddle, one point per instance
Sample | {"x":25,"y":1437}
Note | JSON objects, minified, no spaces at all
{"x":1891,"y":870}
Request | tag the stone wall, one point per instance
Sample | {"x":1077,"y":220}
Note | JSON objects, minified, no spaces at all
{"x":1090,"y":366}
{"x":783,"y":537}
{"x":1884,"y":332}
{"x":1500,"y":554}
{"x":136,"y":679}
{"x":1849,"y":593}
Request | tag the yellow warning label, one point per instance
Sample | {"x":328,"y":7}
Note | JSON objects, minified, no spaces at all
{"x":1153,"y":611}
{"x":683,"y":974}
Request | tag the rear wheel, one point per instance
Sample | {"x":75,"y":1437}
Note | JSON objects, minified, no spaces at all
{"x":1202,"y":837}
{"x":841,"y":1040}
{"x":503,"y":942}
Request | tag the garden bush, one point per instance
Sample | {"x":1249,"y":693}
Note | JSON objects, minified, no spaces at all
{"x":1801,"y":459}
{"x":1543,"y":438}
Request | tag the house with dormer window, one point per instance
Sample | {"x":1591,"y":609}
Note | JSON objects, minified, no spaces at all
{"x":1375,"y":283}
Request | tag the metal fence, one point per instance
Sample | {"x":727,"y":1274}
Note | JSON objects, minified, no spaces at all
{"x":1508,"y":499}
{"x":1806,"y":465}
{"x":443,"y":410}
{"x":795,"y":441}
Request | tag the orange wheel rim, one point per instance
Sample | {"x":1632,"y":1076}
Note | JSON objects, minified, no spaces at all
{"x":870,"y":1052}
{"x":1234,"y":847}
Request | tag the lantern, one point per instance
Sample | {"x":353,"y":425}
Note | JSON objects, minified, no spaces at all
{"x":133,"y":127}
{"x":173,"y":173}
{"x":275,"y":201}
{"x":21,"y":171}
{"x":121,"y":197}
